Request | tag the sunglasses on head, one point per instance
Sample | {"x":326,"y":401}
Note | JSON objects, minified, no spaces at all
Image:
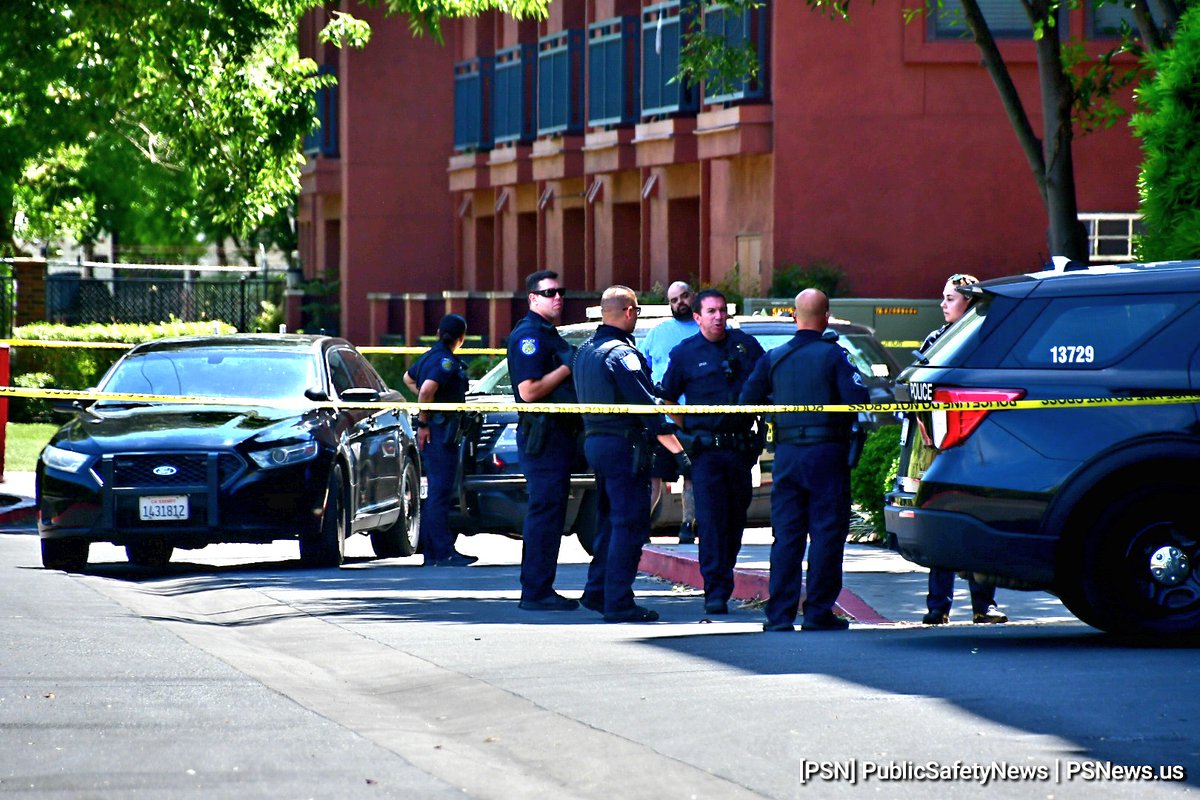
{"x":963,"y":279}
{"x":559,"y":292}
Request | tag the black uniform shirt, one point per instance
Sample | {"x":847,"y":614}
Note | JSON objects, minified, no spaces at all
{"x":609,"y":369}
{"x":712,"y":373}
{"x":535,"y":349}
{"x":441,"y":365}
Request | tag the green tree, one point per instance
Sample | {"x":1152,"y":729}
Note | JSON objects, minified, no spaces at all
{"x":209,"y":97}
{"x":1168,"y":122}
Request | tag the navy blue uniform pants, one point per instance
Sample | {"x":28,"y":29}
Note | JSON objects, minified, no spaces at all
{"x":440,"y":462}
{"x":721,"y":480}
{"x":941,"y":593}
{"x":810,"y":499}
{"x":623,"y":521}
{"x":548,"y":477}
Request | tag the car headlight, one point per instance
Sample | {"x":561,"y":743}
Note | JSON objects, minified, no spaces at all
{"x":285,"y":455}
{"x":64,"y":460}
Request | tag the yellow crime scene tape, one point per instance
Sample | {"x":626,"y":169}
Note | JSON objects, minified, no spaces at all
{"x":616,"y":408}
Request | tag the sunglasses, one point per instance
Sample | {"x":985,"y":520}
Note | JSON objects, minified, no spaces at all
{"x":963,"y":279}
{"x":637,"y":310}
{"x":550,"y":292}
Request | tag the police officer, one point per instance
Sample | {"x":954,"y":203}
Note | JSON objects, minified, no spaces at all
{"x":539,"y":364}
{"x":439,"y":376}
{"x":710,"y":368}
{"x":810,"y":497}
{"x":609,"y":369}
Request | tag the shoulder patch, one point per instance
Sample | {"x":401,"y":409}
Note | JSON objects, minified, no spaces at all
{"x":447,"y":364}
{"x":632,"y":363}
{"x":529,"y":346}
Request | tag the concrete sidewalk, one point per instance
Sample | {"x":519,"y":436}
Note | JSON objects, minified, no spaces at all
{"x":879,"y":586}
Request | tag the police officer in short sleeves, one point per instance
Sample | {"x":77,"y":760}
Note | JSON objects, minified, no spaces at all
{"x":710,"y":368}
{"x":539,"y":365}
{"x":810,"y":496}
{"x":440,"y":377}
{"x":609,"y":370}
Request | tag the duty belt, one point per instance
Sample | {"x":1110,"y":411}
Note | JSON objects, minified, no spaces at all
{"x":726,"y":441}
{"x":811,"y":434}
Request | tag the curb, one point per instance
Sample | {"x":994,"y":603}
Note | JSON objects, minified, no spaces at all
{"x":748,"y":584}
{"x":16,"y":509}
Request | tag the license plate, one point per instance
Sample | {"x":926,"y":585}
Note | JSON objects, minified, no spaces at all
{"x":153,"y":509}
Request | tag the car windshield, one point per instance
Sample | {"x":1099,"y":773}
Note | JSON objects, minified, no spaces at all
{"x":215,"y":372}
{"x":865,"y":354}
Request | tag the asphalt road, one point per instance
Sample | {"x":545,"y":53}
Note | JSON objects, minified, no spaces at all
{"x":235,"y":673}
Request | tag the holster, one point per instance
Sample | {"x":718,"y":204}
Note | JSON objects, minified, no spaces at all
{"x":534,"y":430}
{"x":858,"y":438}
{"x":451,"y":427}
{"x":643,"y":455}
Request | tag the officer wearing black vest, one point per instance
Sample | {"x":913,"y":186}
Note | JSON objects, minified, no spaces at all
{"x":608,"y":369}
{"x":810,"y":497}
{"x":539,"y":365}
{"x":710,"y":368}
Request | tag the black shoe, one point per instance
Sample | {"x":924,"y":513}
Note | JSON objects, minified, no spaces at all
{"x":993,"y":616}
{"x":551,"y":602}
{"x":936,"y":618}
{"x":825,"y":623}
{"x":779,"y":627}
{"x":592,"y":602}
{"x":454,"y":560}
{"x":635,"y":614}
{"x":716,"y":606}
{"x":687,"y":533}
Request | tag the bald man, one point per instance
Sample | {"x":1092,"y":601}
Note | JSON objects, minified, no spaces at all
{"x":608,"y":369}
{"x":810,"y":496}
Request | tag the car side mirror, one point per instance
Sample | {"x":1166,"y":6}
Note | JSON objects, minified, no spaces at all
{"x":316,"y":395}
{"x":71,"y":406}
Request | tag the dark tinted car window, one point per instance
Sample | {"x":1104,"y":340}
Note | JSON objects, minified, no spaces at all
{"x":1090,"y":332}
{"x":215,"y":372}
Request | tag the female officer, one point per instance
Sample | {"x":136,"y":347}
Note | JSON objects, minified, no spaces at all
{"x":439,"y":376}
{"x":941,"y":581}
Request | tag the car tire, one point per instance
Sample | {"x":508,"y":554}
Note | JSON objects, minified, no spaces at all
{"x":586,"y":522}
{"x":69,"y":555}
{"x":327,"y":547}
{"x":403,"y":537}
{"x":1139,"y":568}
{"x":149,"y":554}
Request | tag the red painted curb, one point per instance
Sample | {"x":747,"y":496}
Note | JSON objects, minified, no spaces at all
{"x":748,"y":584}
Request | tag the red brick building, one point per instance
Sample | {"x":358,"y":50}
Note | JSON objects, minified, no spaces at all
{"x":444,"y":174}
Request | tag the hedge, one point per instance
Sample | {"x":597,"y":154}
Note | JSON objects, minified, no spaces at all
{"x":873,"y":476}
{"x":80,"y":367}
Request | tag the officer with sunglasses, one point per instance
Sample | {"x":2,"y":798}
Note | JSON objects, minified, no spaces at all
{"x":539,"y":362}
{"x":710,"y":368}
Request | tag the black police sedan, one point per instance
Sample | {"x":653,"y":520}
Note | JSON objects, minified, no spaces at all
{"x":1096,"y":504}
{"x":492,"y":493}
{"x":271,"y":464}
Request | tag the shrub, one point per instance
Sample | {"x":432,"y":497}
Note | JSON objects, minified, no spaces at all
{"x":791,"y":279}
{"x":82,"y":367}
{"x":876,"y":470}
{"x":31,"y":409}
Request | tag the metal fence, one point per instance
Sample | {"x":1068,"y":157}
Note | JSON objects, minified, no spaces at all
{"x":75,"y":298}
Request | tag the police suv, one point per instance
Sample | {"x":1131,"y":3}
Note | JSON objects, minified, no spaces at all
{"x":1091,"y":502}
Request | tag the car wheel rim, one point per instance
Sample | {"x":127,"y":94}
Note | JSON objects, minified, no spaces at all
{"x":1161,"y":559}
{"x":412,"y":504}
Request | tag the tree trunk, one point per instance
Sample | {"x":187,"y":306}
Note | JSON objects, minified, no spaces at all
{"x":1066,"y":234}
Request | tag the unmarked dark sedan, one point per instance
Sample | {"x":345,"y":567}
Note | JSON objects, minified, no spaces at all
{"x":155,"y":476}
